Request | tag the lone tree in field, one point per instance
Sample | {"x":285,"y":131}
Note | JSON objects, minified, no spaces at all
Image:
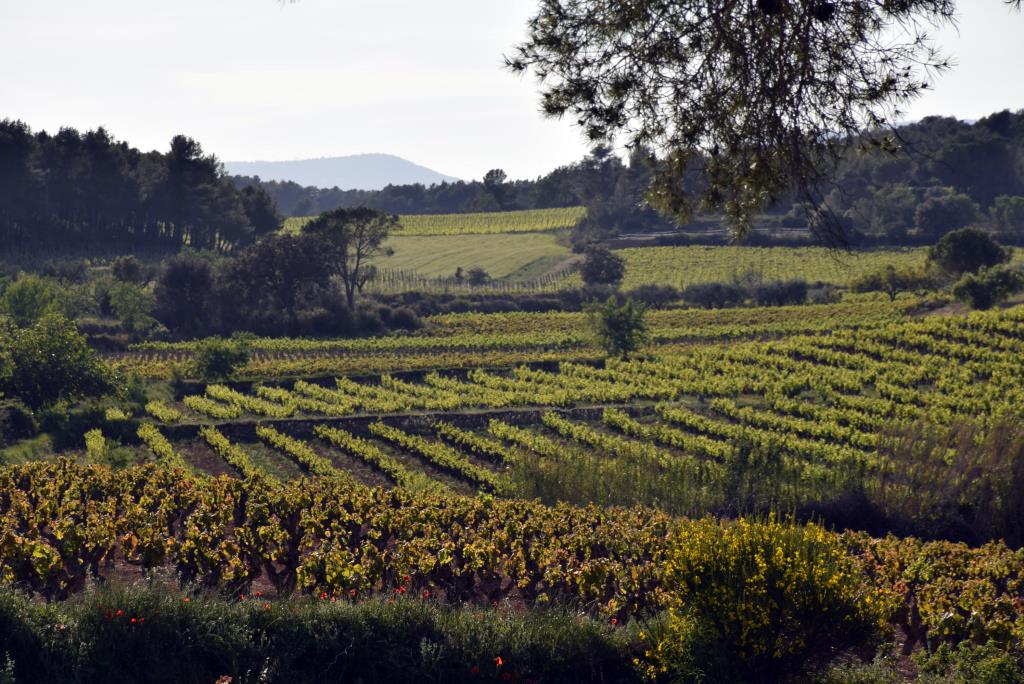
{"x":761,"y":96}
{"x":602,"y":267}
{"x":620,"y":328}
{"x":352,"y":238}
{"x":967,"y":251}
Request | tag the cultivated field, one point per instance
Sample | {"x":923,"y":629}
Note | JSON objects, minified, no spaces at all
{"x":483,"y":223}
{"x":683,"y":266}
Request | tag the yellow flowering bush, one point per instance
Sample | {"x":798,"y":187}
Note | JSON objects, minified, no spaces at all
{"x":770,"y":595}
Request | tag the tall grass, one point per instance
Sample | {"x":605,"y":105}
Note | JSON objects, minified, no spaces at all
{"x":154,"y":634}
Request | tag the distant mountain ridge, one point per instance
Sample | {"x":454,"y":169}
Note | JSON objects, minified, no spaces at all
{"x":353,"y":172}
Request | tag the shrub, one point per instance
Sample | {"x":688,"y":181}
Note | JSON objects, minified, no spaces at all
{"x":217,"y":359}
{"x":128,"y":269}
{"x":405,"y":319}
{"x":95,"y":445}
{"x":28,"y":299}
{"x":52,"y":362}
{"x":714,"y":295}
{"x":967,"y":251}
{"x":779,"y":292}
{"x":824,"y":294}
{"x":655,"y":295}
{"x":17,"y":421}
{"x":477,"y":276}
{"x":602,"y":267}
{"x":988,"y":287}
{"x":773,"y":595}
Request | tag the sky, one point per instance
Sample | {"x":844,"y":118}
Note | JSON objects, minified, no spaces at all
{"x":270,"y":80}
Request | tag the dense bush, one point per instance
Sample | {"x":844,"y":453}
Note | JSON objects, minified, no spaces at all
{"x":714,"y":295}
{"x":50,"y":362}
{"x":217,"y":359}
{"x":967,"y":251}
{"x":28,"y":299}
{"x":655,"y":296}
{"x":988,"y":287}
{"x":771,"y":596}
{"x":750,"y":289}
{"x":602,"y":267}
{"x":779,"y":292}
{"x":17,"y":422}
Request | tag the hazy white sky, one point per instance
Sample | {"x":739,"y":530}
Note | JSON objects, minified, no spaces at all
{"x":258,"y":79}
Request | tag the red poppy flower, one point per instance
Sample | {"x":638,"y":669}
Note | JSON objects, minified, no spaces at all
{"x":400,"y":590}
{"x":266,"y":606}
{"x":406,"y":579}
{"x":426,"y":593}
{"x":134,"y":621}
{"x":242,"y":597}
{"x":258,"y":594}
{"x":323,"y":596}
{"x":615,"y":621}
{"x":186,"y":599}
{"x":352,"y":593}
{"x":498,"y":661}
{"x":474,"y":670}
{"x":119,"y":613}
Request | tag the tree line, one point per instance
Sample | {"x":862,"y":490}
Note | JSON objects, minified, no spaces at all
{"x":80,"y":190}
{"x":944,"y":175}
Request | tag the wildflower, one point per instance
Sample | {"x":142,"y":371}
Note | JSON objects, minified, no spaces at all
{"x":400,"y":590}
{"x":186,"y":599}
{"x":258,"y":594}
{"x":266,"y":606}
{"x":109,"y":615}
{"x":426,"y":593}
{"x":498,"y":662}
{"x":119,"y":613}
{"x":352,"y":593}
{"x":242,"y":597}
{"x":615,"y":621}
{"x":323,"y":596}
{"x":474,"y":670}
{"x":406,"y":579}
{"x":133,"y":621}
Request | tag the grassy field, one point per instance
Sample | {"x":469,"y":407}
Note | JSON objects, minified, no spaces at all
{"x":482,"y":223}
{"x":500,"y":255}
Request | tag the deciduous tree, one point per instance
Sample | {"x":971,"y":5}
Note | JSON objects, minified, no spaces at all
{"x":352,"y":238}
